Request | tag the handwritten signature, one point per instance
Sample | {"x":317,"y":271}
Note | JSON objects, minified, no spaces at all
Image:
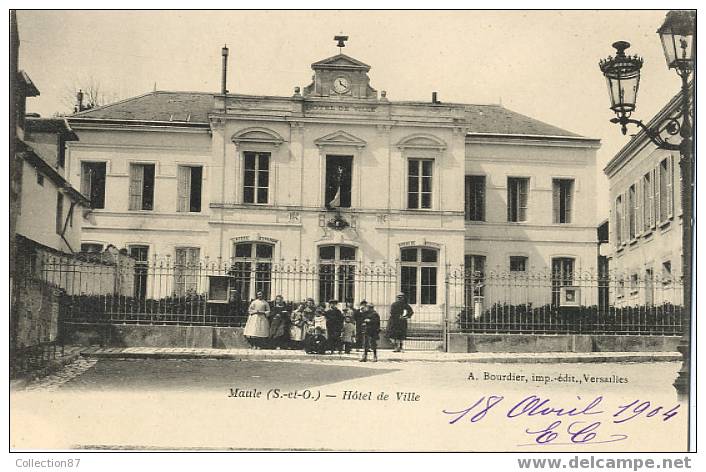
{"x":574,"y":422}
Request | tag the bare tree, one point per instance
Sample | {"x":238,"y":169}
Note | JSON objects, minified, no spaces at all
{"x":92,"y":94}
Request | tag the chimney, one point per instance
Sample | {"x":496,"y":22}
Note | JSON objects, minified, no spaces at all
{"x":79,"y":101}
{"x":434,"y":99}
{"x":224,"y":52}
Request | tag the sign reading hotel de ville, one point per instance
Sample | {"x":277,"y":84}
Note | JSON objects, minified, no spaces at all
{"x":383,"y":241}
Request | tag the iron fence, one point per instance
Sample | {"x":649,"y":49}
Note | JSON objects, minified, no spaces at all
{"x":445,"y":298}
{"x":564,"y":302}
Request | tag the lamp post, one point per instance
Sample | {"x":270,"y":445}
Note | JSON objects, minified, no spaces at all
{"x":622,"y":74}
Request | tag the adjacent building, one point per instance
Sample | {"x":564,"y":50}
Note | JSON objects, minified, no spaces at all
{"x":646,"y":219}
{"x":46,"y":215}
{"x":376,"y":195}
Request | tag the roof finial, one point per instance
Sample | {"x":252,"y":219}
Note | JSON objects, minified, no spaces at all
{"x":341,"y":41}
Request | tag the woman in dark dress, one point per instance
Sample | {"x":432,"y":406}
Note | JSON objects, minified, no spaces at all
{"x":279,"y":323}
{"x":400,"y":312}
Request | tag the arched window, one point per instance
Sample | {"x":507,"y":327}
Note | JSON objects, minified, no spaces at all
{"x":336,"y":272}
{"x":419,"y":267}
{"x":252,"y":269}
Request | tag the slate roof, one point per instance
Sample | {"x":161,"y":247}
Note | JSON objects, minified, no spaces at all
{"x":51,"y":125}
{"x":184,"y":107}
{"x":496,"y":119}
{"x":194,"y":107}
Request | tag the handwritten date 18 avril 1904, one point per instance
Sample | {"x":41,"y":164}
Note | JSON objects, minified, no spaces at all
{"x":576,"y":423}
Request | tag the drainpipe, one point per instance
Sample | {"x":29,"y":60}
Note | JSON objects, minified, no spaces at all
{"x":66,"y":224}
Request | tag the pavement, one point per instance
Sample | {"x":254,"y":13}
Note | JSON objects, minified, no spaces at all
{"x":68,"y":355}
{"x":80,"y":358}
{"x":383,"y":355}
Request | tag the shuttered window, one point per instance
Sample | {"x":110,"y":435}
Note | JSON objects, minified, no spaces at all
{"x":189,"y":188}
{"x":670,"y":187}
{"x":631,"y":212}
{"x":141,"y":187}
{"x":93,"y":183}
{"x":517,"y":198}
{"x":647,"y":202}
{"x":475,"y":197}
{"x":562,"y":200}
{"x":618,"y":220}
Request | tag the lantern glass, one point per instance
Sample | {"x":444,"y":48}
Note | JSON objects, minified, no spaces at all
{"x":622,"y":88}
{"x":677,"y":36}
{"x":622,"y":74}
{"x":678,"y":50}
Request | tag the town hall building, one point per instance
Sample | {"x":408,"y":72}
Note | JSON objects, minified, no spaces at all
{"x":374,"y":195}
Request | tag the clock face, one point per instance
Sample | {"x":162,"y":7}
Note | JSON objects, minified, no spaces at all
{"x":341,"y":85}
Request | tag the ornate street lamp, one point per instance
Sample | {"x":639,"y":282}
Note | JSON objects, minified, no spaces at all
{"x":622,"y":73}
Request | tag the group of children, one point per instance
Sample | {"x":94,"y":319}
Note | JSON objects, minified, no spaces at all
{"x":315,"y":328}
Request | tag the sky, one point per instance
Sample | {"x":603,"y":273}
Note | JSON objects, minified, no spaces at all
{"x":539,"y":63}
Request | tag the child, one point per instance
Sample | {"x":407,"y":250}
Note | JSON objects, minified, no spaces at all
{"x":297,"y":327}
{"x":316,"y":343}
{"x":348,"y":334}
{"x":371,"y":332}
{"x":320,"y":321}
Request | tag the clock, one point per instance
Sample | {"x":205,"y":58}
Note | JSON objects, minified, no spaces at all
{"x":341,"y":85}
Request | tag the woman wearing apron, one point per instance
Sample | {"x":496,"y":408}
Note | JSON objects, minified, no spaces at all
{"x":257,"y":329}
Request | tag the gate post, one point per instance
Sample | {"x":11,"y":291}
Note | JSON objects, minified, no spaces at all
{"x":445,"y":323}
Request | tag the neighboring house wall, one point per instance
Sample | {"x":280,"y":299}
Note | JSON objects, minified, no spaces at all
{"x":38,"y":214}
{"x":539,"y":238}
{"x":47,"y":145}
{"x":654,"y":249}
{"x":163,"y":228}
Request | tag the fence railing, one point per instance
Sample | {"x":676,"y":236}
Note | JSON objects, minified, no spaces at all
{"x":560,"y":302}
{"x":445,"y":298}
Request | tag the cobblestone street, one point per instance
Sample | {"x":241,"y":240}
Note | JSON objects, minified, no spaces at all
{"x":188,"y":402}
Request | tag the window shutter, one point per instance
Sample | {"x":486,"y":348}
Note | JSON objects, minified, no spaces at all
{"x":616,"y":222}
{"x":556,"y":195}
{"x":638,"y":208}
{"x":468,"y":196}
{"x":524,"y":197}
{"x":480,"y":201}
{"x":183,"y":188}
{"x":658,"y":198}
{"x":136,"y":184}
{"x":510,"y":198}
{"x":653,"y":196}
{"x":86,"y":180}
{"x":670,"y":186}
{"x":569,"y":201}
{"x":626,"y":218}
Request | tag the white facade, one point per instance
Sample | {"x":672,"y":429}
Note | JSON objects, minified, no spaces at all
{"x":537,"y":239}
{"x":645,"y":250}
{"x":383,"y":151}
{"x":51,"y":212}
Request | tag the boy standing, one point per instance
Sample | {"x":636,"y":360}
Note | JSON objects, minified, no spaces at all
{"x":371,"y":332}
{"x":348,"y":335}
